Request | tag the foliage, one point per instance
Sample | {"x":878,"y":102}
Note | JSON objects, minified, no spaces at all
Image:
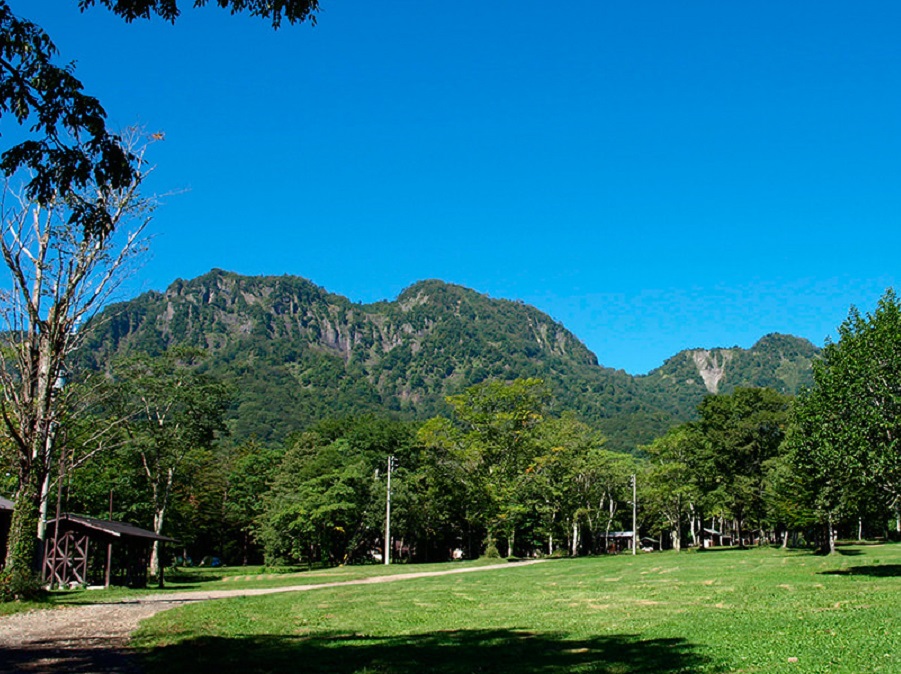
{"x":670,"y":487}
{"x":17,"y":584}
{"x":69,"y":150}
{"x":326,"y":501}
{"x":847,"y":426}
{"x":174,"y":415}
{"x":293,"y":11}
{"x":745,"y":430}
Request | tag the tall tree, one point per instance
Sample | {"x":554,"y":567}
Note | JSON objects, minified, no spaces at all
{"x":175,"y":415}
{"x":847,"y":431}
{"x":498,"y":446}
{"x":669,"y":481}
{"x":745,"y":429}
{"x":59,"y":275}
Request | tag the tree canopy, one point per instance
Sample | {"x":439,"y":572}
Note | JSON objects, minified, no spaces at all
{"x":847,"y":436}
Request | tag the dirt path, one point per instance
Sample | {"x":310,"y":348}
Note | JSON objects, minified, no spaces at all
{"x":94,"y":637}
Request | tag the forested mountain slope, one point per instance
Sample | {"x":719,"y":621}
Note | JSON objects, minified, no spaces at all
{"x":297,"y":353}
{"x":780,"y":362}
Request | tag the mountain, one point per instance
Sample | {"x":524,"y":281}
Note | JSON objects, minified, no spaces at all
{"x":297,"y":353}
{"x":780,"y":362}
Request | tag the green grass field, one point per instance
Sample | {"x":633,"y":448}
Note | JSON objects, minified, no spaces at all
{"x":759,"y":610}
{"x":233,"y":578}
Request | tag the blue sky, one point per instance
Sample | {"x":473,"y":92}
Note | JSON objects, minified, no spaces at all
{"x":654,"y":175}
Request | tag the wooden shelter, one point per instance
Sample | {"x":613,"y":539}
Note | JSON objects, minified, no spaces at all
{"x":80,"y":550}
{"x":713,"y":538}
{"x":617,"y":541}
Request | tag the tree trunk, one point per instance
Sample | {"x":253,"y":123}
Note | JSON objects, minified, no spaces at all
{"x":677,"y":539}
{"x":511,"y":540}
{"x":575,"y":541}
{"x":158,"y":518}
{"x":23,"y":552}
{"x":830,"y":531}
{"x":785,"y":540}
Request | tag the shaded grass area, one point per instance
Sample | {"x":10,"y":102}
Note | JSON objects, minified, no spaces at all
{"x":453,"y":652}
{"x":758,"y":610}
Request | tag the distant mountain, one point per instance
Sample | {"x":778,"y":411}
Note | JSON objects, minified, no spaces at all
{"x":781,"y":362}
{"x":297,"y":353}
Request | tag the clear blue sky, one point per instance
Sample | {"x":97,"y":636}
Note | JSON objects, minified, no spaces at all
{"x":655,"y":175}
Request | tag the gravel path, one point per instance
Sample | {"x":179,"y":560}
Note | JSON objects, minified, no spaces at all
{"x":94,"y":637}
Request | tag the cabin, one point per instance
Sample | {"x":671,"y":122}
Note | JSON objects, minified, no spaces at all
{"x":81,"y":550}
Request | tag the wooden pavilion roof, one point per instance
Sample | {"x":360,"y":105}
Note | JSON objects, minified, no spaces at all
{"x":111,"y":528}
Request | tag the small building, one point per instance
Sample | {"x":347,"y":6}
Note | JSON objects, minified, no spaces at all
{"x":617,"y":541}
{"x":713,"y":538}
{"x":89,"y":551}
{"x":649,"y":544}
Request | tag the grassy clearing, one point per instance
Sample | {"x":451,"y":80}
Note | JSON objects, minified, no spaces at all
{"x":750,"y":611}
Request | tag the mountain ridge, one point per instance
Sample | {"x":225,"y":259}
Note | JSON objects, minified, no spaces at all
{"x":297,"y":353}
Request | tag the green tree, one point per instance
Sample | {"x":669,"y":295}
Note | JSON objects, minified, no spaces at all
{"x":568,"y":450}
{"x":669,"y":484}
{"x":847,"y":427}
{"x":498,"y":421}
{"x":745,"y":429}
{"x":327,"y":497}
{"x":175,"y":413}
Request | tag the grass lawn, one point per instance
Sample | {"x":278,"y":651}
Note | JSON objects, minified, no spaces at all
{"x":727,"y":610}
{"x":233,"y":578}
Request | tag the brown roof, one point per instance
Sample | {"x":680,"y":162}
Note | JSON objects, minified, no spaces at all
{"x":6,"y":504}
{"x":117,"y":529}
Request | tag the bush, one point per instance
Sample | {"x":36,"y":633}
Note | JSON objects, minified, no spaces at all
{"x":18,"y":585}
{"x":491,"y":552}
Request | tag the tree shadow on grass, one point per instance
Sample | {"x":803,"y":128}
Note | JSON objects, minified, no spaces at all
{"x":451,"y":652}
{"x":876,"y":570}
{"x":849,"y":552}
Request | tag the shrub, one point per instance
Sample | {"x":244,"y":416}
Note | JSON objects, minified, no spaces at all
{"x":18,"y":585}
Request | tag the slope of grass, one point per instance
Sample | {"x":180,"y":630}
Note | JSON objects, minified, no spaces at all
{"x":751,"y":611}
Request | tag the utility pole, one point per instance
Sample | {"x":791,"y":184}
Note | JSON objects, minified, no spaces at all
{"x":392,"y":463}
{"x":634,"y":516}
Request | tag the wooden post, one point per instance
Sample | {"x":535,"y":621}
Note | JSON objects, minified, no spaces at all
{"x":109,"y":547}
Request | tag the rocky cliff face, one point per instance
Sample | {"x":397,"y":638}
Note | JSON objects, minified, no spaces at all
{"x":711,"y":366}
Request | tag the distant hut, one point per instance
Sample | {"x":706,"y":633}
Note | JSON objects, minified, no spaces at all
{"x":617,"y":541}
{"x":649,"y":544}
{"x":713,"y":538}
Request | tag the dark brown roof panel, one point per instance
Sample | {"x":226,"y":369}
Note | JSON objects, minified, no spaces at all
{"x":117,"y":529}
